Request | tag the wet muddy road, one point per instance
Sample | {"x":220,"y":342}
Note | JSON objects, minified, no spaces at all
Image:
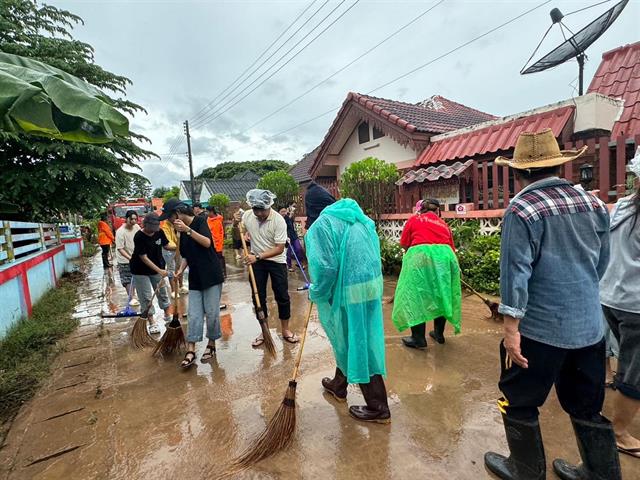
{"x":112,"y":412}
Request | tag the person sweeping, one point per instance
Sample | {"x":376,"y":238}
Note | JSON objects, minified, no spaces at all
{"x":205,"y":277}
{"x":429,"y":284}
{"x":343,"y":251}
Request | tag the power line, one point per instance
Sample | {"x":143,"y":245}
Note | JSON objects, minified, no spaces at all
{"x":228,"y":107}
{"x":199,"y":115}
{"x":440,"y":57}
{"x":389,"y":37}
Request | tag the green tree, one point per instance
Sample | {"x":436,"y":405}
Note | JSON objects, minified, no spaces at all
{"x":49,"y":177}
{"x":139,"y":187}
{"x":227,"y":170}
{"x":282,"y":184}
{"x":371,"y":183}
{"x":220,"y":201}
{"x":160,"y":192}
{"x":174,"y":192}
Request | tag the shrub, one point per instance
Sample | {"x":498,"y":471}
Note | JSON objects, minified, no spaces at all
{"x":282,"y":185}
{"x":479,"y":257}
{"x":391,"y":255}
{"x":220,"y":201}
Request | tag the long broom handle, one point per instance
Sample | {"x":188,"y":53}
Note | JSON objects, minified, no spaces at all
{"x":254,"y":287}
{"x":304,"y":274}
{"x":304,"y":337}
{"x":472,"y":290}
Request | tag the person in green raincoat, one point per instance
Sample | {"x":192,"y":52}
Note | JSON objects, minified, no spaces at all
{"x":429,"y":284}
{"x":343,"y":250}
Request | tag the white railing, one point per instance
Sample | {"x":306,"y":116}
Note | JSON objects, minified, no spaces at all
{"x":20,"y":239}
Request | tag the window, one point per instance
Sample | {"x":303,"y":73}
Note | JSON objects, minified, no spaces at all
{"x":363,"y":133}
{"x":377,"y":133}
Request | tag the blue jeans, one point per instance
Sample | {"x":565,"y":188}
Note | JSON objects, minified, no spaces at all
{"x":201,"y":303}
{"x":145,"y":286}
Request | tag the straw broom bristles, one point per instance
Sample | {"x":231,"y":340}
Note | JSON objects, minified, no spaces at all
{"x":140,"y":337}
{"x":493,"y":306}
{"x":280,"y":429}
{"x":173,"y":337}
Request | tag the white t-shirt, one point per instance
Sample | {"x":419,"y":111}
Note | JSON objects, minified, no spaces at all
{"x":124,"y":240}
{"x":265,"y":235}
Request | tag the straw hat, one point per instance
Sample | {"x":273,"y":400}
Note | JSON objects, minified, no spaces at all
{"x":539,"y":150}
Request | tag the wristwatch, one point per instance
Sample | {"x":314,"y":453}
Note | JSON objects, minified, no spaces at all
{"x":189,"y":233}
{"x":257,"y":255}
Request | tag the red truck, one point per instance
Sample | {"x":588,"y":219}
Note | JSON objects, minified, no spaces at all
{"x":117,"y":210}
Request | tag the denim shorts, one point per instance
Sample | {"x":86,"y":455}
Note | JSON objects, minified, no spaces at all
{"x":625,"y":327}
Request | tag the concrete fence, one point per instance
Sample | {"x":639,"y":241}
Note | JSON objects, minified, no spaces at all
{"x":33,"y":258}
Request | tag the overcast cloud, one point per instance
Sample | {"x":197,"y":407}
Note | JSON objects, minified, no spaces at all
{"x":181,"y":54}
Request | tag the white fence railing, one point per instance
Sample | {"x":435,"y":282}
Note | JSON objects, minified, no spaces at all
{"x":20,"y":239}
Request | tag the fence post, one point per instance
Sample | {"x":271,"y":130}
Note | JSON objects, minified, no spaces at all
{"x":58,"y":235}
{"x":7,"y":235}
{"x":43,"y":242}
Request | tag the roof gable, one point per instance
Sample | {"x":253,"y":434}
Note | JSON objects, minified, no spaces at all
{"x":618,"y":76}
{"x":301,"y":170}
{"x":236,"y":190}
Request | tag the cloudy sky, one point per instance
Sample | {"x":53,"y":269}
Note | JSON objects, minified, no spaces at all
{"x":180,"y":55}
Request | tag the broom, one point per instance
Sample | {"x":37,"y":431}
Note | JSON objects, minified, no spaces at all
{"x":127,"y":311}
{"x":140,"y":337}
{"x":173,"y":337}
{"x":493,"y":306}
{"x":307,"y":283}
{"x":262,"y":320}
{"x":280,"y":429}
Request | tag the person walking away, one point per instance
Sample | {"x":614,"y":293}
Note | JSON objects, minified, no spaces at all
{"x":293,"y":241}
{"x":172,"y":256}
{"x":620,"y":298}
{"x":124,"y":249}
{"x":555,"y":248}
{"x":205,"y":278}
{"x":268,"y":232}
{"x":343,"y":250}
{"x":105,"y":239}
{"x":216,"y":225}
{"x":316,"y":198}
{"x":236,"y":236}
{"x":429,"y":284}
{"x":148,"y":268}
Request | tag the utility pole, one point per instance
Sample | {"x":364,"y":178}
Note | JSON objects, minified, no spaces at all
{"x":193,"y":189}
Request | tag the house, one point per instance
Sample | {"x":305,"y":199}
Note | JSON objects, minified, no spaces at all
{"x":235,"y":188}
{"x":185,"y":190}
{"x":457,"y":167}
{"x":393,"y":131}
{"x":301,"y":173}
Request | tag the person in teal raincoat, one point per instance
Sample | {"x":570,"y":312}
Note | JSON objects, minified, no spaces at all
{"x":343,"y":250}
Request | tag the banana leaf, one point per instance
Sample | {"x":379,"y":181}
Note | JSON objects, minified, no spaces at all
{"x":38,"y":99}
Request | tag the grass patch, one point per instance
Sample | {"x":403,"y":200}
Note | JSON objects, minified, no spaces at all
{"x":30,"y":345}
{"x":89,"y":249}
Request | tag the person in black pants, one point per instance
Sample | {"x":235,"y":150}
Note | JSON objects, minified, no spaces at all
{"x":268,"y":232}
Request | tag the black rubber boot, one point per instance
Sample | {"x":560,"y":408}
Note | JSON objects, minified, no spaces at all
{"x":527,"y":460}
{"x":597,"y":445}
{"x":438,"y":330}
{"x":377,"y":408}
{"x":417,"y":338}
{"x":336,"y":386}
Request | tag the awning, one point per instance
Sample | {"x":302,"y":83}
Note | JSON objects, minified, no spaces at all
{"x":493,"y":138}
{"x":431,"y":174}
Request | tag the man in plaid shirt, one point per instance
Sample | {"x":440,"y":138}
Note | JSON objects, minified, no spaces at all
{"x":555,"y":248}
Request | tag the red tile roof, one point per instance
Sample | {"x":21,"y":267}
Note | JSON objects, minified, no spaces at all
{"x":434,"y":115}
{"x":493,"y":138}
{"x":619,"y":76}
{"x":301,"y":170}
{"x":431,"y":174}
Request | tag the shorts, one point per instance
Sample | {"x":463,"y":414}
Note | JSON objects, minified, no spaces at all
{"x":625,"y":327}
{"x":125,"y":274}
{"x":169,"y":260}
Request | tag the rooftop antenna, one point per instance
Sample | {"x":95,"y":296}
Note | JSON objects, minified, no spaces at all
{"x":577,"y":44}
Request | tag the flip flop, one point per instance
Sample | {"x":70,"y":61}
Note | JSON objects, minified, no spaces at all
{"x":190,"y":362}
{"x":633,"y":452}
{"x":291,"y":339}
{"x":257,"y":342}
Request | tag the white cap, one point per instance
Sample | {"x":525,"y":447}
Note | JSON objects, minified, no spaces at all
{"x":262,"y":199}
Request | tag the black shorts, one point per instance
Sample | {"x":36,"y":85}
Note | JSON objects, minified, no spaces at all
{"x":625,"y":326}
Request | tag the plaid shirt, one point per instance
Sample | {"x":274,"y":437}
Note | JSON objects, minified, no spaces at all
{"x":554,"y":249}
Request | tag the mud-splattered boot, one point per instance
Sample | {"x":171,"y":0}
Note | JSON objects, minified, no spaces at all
{"x":336,"y":386}
{"x":417,"y":338}
{"x":438,"y":330}
{"x":377,"y":408}
{"x":527,"y":460}
{"x":597,"y":445}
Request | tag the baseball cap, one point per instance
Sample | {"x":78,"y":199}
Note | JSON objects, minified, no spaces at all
{"x":151,"y":222}
{"x":170,"y":207}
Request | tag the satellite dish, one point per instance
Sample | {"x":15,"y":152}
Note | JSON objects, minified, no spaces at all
{"x":575,"y":45}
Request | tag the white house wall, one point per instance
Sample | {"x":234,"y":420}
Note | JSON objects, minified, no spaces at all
{"x":384,"y":148}
{"x":183,"y":193}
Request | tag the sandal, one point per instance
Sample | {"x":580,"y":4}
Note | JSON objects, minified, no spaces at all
{"x":209,"y":352}
{"x":188,"y":361}
{"x":634,"y":452}
{"x":257,"y":342}
{"x":293,"y":338}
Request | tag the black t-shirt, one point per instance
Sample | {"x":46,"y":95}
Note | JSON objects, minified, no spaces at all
{"x":151,"y":246}
{"x":291,"y":228}
{"x":204,"y":265}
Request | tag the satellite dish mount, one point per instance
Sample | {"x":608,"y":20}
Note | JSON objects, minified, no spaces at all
{"x":576,"y":45}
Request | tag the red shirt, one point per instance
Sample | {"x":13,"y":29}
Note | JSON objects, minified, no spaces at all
{"x":426,"y":229}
